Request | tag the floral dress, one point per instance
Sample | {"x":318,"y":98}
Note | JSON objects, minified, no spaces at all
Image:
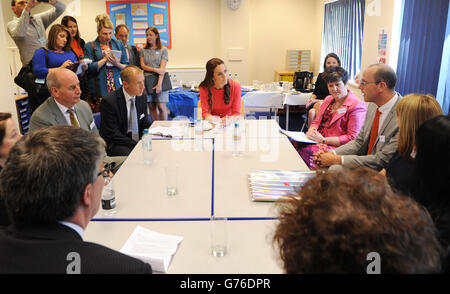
{"x":110,"y":85}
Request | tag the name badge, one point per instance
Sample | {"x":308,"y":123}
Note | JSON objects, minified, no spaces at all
{"x":382,"y":139}
{"x":342,"y":110}
{"x":142,"y":116}
{"x":92,"y":125}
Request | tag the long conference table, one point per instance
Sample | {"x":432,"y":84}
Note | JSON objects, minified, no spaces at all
{"x":211,"y":182}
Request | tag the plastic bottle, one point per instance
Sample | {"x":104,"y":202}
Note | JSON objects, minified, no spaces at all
{"x":108,"y":197}
{"x":236,"y":140}
{"x":147,"y":147}
{"x":236,"y":79}
{"x":174,"y":83}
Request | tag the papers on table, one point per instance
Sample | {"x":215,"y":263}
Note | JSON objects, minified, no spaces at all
{"x":272,"y":185}
{"x":174,"y":131}
{"x":152,"y":247}
{"x":298,"y":136}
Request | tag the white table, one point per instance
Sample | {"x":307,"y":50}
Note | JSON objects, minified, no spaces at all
{"x":211,"y":183}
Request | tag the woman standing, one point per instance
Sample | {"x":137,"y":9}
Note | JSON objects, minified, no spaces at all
{"x":339,"y":119}
{"x":78,"y":49}
{"x":153,"y":60}
{"x":220,"y":98}
{"x":105,"y":67}
{"x":58,"y":52}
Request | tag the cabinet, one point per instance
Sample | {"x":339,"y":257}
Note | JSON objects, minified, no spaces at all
{"x":23,"y":112}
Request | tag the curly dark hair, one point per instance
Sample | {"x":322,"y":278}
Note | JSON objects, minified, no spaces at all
{"x":343,"y":216}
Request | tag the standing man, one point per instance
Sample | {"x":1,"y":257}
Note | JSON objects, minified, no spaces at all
{"x":121,"y":34}
{"x":28,"y":31}
{"x":124,"y":113}
{"x":52,"y":185}
{"x":65,"y":107}
{"x":376,"y":143}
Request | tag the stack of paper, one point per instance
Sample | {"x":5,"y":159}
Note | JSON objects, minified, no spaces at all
{"x":272,"y":185}
{"x":298,"y":136}
{"x":152,"y":247}
{"x":175,"y":131}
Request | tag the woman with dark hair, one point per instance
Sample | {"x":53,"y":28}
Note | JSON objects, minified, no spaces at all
{"x":411,"y":112}
{"x":153,"y":60}
{"x":58,"y":51}
{"x":320,"y":87}
{"x":432,"y":172}
{"x":77,"y":46}
{"x":339,"y":119}
{"x":219,"y":97}
{"x":9,"y":135}
{"x":341,"y":217}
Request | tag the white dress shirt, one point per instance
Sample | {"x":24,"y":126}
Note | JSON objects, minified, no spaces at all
{"x":128,"y":103}
{"x":66,"y":114}
{"x":74,"y":227}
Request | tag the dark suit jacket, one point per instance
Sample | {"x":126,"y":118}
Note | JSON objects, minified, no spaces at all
{"x":44,"y":250}
{"x":134,"y":55}
{"x":114,"y":123}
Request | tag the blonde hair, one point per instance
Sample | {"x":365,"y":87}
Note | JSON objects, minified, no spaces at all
{"x":103,"y":21}
{"x":412,"y":111}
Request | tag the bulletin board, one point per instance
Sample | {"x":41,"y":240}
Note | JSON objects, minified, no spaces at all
{"x":139,"y":15}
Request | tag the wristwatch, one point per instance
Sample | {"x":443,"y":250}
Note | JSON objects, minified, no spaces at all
{"x":323,"y":141}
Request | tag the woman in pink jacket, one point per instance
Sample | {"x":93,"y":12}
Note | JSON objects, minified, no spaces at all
{"x":339,"y":119}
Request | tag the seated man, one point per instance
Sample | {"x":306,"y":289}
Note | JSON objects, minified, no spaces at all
{"x":124,"y":113}
{"x":352,"y":222}
{"x":65,"y":107}
{"x":52,"y":186}
{"x":376,"y":143}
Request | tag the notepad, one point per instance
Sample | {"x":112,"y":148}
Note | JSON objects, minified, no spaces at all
{"x":174,"y":131}
{"x":117,"y":54}
{"x":298,"y":136}
{"x":152,"y":247}
{"x":273,"y":185}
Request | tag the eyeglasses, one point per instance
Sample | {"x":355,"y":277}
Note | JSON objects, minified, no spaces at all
{"x":364,"y":83}
{"x":107,"y":168}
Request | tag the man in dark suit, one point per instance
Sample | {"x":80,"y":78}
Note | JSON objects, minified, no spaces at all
{"x":52,"y":186}
{"x":121,"y":34}
{"x":124,"y":113}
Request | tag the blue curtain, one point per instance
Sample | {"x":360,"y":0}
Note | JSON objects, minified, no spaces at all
{"x":343,"y":32}
{"x":421,"y":44}
{"x":443,"y":93}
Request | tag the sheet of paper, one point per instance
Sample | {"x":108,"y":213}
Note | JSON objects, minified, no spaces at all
{"x":298,"y":136}
{"x":82,"y":63}
{"x":174,"y":131}
{"x":152,"y":247}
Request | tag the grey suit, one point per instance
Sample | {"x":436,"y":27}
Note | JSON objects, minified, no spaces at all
{"x":133,"y":55}
{"x":355,"y":152}
{"x":49,"y":114}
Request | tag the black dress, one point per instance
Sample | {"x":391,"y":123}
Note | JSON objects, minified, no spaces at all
{"x":321,"y":88}
{"x":400,"y":174}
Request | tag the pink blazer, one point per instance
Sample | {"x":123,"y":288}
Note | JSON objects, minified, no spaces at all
{"x":346,"y":121}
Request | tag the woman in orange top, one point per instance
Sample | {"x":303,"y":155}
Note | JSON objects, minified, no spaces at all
{"x":219,"y":97}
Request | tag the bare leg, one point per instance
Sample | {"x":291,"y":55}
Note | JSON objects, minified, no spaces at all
{"x":153,"y":111}
{"x":162,"y":110}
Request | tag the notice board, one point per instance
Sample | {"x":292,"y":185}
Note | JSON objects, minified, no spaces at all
{"x":139,"y":15}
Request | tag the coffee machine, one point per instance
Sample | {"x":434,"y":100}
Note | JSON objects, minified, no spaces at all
{"x":302,"y":80}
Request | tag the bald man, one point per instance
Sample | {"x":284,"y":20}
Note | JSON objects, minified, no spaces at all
{"x":376,"y":143}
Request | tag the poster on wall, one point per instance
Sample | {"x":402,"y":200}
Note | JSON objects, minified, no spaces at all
{"x":382,"y":45}
{"x":139,"y":15}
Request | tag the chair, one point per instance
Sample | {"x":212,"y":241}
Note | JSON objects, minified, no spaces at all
{"x":97,"y":120}
{"x":199,"y":109}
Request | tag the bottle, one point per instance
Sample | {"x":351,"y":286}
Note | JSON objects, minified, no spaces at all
{"x":147,"y":147}
{"x":236,"y":79}
{"x":108,"y":197}
{"x":236,"y":140}
{"x":174,"y":84}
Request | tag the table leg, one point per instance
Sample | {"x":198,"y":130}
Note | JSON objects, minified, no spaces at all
{"x":287,"y":117}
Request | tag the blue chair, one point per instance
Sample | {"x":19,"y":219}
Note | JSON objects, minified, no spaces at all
{"x":97,"y":119}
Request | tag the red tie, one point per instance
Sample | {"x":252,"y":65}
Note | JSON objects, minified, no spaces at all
{"x":374,"y":132}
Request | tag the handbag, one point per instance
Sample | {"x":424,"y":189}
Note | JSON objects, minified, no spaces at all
{"x":152,"y":79}
{"x":26,"y":80}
